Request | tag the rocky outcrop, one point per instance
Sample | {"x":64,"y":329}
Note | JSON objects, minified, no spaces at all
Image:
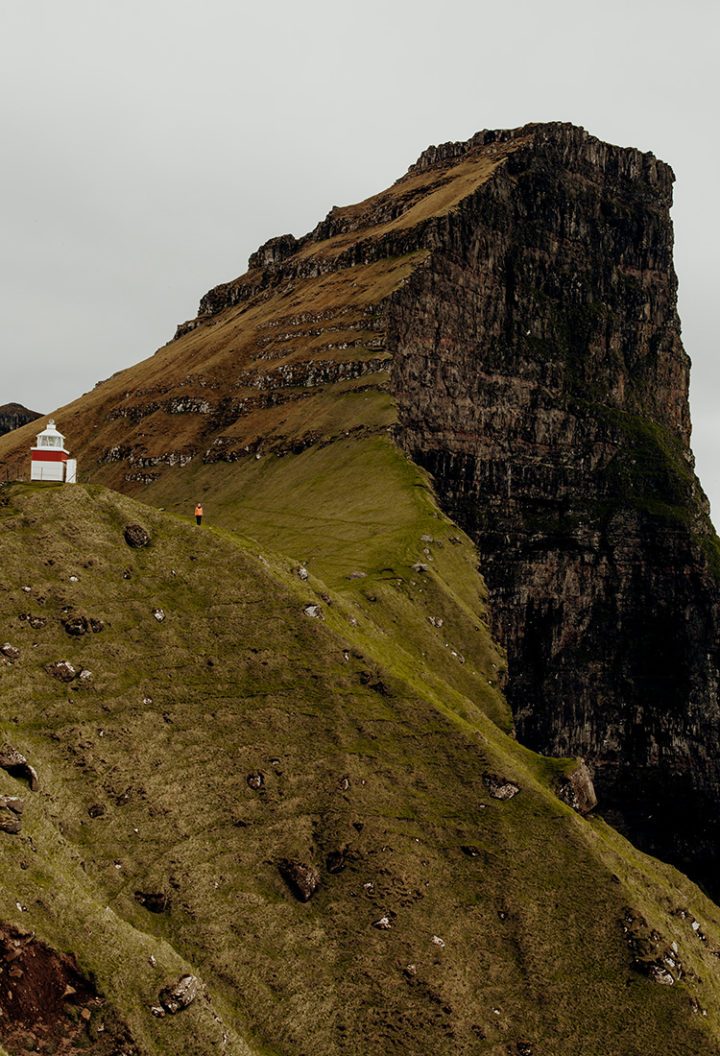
{"x":136,"y":536}
{"x":15,"y":763}
{"x":302,"y":879}
{"x":500,"y":787}
{"x":577,"y":789}
{"x":11,"y":810}
{"x":179,"y":995}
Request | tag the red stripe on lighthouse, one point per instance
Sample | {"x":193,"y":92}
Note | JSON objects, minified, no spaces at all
{"x":49,"y":456}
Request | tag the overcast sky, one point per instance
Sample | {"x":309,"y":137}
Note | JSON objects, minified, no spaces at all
{"x":149,"y":146}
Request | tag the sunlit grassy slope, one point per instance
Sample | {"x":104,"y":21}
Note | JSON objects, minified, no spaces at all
{"x":373,"y":728}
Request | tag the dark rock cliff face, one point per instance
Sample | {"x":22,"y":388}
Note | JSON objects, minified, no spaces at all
{"x":13,"y":415}
{"x":541,"y":378}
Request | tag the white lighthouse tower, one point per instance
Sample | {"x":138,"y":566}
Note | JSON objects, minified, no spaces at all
{"x":50,"y":458}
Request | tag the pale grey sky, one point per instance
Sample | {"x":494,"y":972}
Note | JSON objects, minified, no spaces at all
{"x":149,"y":146}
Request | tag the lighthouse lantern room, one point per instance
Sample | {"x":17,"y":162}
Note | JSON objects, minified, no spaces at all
{"x":49,"y":457}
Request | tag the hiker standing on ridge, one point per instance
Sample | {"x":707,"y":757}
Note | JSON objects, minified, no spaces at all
{"x":198,"y":513}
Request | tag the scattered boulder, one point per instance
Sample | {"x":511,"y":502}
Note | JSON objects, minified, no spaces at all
{"x":420,"y":567}
{"x":159,"y":615}
{"x":303,"y":880}
{"x":136,"y":536}
{"x":437,"y":941}
{"x":383,"y":924}
{"x":10,"y":823}
{"x":96,"y":810}
{"x":11,"y":808}
{"x":314,"y":611}
{"x":10,"y":652}
{"x":500,"y":787}
{"x":13,"y":803}
{"x":17,"y":766}
{"x":179,"y":995}
{"x":301,"y":572}
{"x":659,"y":974}
{"x":153,"y":901}
{"x":79,"y":624}
{"x":256,"y":780}
{"x":36,"y":622}
{"x":577,"y":789}
{"x":336,"y":860}
{"x":63,"y":670}
{"x":76,"y":626}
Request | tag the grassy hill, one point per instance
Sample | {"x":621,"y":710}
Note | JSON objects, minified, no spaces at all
{"x":373,"y":729}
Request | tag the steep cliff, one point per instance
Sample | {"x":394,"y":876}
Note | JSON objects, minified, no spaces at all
{"x":540,"y":376}
{"x":506,"y":312}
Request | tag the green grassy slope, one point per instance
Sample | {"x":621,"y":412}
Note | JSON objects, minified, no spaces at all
{"x":373,"y":739}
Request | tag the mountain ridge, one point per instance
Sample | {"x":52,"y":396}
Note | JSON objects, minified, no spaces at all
{"x":496,"y":332}
{"x":509,"y":301}
{"x":14,"y":415}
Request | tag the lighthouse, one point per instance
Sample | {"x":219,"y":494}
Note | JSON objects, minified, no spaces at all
{"x":50,"y":458}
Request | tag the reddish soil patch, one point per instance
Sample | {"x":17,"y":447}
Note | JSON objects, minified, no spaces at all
{"x":47,"y":1005}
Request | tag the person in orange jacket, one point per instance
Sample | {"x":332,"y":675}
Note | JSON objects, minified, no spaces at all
{"x":198,"y":513}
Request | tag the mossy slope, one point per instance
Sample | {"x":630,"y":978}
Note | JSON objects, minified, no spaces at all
{"x":366,"y":746}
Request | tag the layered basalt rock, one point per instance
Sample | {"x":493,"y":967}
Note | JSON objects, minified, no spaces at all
{"x":541,"y":378}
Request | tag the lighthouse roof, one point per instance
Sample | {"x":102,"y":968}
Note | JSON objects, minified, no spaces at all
{"x":50,"y":437}
{"x":51,"y":430}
